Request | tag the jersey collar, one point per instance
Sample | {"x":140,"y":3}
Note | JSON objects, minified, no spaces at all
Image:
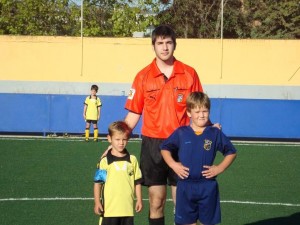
{"x":177,"y":69}
{"x":111,"y":158}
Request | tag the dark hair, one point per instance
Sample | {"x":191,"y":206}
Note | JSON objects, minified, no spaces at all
{"x":94,"y":87}
{"x":197,"y":99}
{"x":119,"y":126}
{"x":163,"y":31}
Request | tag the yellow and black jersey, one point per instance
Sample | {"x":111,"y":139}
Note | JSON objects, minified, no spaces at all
{"x":119,"y":190}
{"x":92,"y":107}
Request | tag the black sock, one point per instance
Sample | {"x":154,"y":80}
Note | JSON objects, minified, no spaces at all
{"x":158,"y":221}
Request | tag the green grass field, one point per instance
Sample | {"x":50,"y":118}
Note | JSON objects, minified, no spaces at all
{"x":50,"y":181}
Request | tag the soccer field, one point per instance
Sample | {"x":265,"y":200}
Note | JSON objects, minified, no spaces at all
{"x":50,"y":181}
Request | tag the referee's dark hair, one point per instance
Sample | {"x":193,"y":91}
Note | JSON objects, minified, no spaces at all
{"x":164,"y":31}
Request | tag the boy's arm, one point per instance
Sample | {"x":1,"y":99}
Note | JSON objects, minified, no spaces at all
{"x":214,"y":170}
{"x":177,"y":167}
{"x":84,"y":111}
{"x":139,"y":200}
{"x":99,"y":112}
{"x":98,"y":207}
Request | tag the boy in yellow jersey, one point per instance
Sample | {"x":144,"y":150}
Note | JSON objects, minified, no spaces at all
{"x":91,"y":112}
{"x":121,"y":176}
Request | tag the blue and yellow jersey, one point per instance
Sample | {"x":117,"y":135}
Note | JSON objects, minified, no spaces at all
{"x":196,"y":150}
{"x":119,"y":190}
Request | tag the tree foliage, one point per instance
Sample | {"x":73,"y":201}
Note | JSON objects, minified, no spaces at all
{"x":137,"y":16}
{"x":242,"y":18}
{"x":29,"y":17}
{"x":273,"y":19}
{"x":119,"y":18}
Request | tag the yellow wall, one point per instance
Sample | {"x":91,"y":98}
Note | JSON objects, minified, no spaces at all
{"x":117,"y":60}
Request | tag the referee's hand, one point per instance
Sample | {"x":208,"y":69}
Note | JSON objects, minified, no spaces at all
{"x":106,"y":151}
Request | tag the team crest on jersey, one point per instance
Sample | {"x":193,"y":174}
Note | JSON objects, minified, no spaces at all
{"x":131,"y":93}
{"x":130,"y":173}
{"x":179,"y":97}
{"x":207,"y":144}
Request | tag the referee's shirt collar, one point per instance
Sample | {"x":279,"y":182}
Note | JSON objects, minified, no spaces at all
{"x":177,"y":69}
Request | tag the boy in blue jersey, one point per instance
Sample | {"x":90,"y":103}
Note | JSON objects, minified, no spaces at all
{"x":195,"y":146}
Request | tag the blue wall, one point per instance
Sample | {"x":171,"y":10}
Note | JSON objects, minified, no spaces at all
{"x":250,"y":118}
{"x":49,"y":113}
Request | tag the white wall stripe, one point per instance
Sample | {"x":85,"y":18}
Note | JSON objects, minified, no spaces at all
{"x":122,"y":89}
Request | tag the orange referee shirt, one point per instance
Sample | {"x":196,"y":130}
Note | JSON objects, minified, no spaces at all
{"x":162,"y":103}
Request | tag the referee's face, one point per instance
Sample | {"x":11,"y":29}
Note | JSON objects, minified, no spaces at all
{"x":164,"y":48}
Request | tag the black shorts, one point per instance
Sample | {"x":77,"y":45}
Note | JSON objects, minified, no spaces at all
{"x":128,"y":220}
{"x":92,"y":121}
{"x":154,"y":169}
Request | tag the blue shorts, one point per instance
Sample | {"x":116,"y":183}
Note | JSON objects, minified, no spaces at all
{"x":197,"y":200}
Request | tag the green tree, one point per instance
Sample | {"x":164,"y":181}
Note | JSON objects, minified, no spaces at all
{"x":190,"y":18}
{"x":273,"y":19}
{"x":118,"y":18}
{"x":242,"y":18}
{"x":133,"y":16}
{"x":97,"y":14}
{"x":30,"y":17}
{"x":202,"y":18}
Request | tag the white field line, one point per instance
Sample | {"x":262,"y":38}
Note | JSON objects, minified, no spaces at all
{"x":85,"y":199}
{"x":260,"y":143}
{"x":80,"y":139}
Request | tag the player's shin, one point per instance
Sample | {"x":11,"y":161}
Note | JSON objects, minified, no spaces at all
{"x":87,"y":134}
{"x":96,"y":134}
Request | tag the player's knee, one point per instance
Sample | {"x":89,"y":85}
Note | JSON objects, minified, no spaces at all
{"x":157,"y":204}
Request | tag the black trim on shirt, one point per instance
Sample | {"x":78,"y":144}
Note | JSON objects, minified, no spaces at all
{"x":111,"y":158}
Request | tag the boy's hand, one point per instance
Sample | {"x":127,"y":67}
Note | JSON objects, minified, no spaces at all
{"x":180,"y":170}
{"x":211,"y":171}
{"x":138,"y":206}
{"x":98,"y":209}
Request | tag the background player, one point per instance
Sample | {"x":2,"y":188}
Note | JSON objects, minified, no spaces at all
{"x":195,"y":147}
{"x":92,"y":112}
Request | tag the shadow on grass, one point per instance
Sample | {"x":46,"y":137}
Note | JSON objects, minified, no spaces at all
{"x":293,"y":219}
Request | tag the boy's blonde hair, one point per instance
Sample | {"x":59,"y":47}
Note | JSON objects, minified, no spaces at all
{"x":119,"y":126}
{"x":197,"y":99}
